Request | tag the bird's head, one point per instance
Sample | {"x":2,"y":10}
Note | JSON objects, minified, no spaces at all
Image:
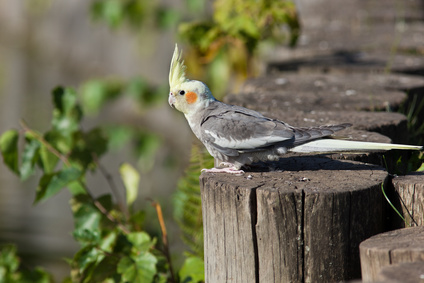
{"x":187,"y":96}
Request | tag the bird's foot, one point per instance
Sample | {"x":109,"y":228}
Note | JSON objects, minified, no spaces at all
{"x":231,"y":170}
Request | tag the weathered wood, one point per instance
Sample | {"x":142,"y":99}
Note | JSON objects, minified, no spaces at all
{"x":398,"y":246}
{"x":410,"y":189}
{"x":411,"y":272}
{"x":325,"y":92}
{"x":302,"y":224}
{"x":229,"y":241}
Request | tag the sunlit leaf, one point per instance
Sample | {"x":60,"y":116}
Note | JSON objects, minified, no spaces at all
{"x":421,"y":169}
{"x":141,"y":242}
{"x":29,"y":158}
{"x":9,"y":149}
{"x":66,"y":113}
{"x":131,"y":179}
{"x":47,"y":160}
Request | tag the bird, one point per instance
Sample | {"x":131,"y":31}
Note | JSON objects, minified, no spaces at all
{"x":237,"y":137}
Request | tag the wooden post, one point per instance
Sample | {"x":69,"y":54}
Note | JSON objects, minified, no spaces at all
{"x":410,"y":272}
{"x":410,"y":189}
{"x":398,"y":246}
{"x":302,"y":224}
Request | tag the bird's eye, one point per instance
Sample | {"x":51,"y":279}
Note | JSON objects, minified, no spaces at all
{"x":182,"y":92}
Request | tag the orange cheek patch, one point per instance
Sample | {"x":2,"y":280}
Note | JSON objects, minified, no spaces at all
{"x":191,"y":97}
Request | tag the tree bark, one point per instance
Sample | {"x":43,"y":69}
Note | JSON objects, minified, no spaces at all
{"x":303,"y":224}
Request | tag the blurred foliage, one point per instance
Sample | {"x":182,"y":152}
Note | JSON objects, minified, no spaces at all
{"x":12,"y":271}
{"x":97,"y":93}
{"x":188,"y":203}
{"x":113,"y":245}
{"x":135,"y":13}
{"x":224,"y":47}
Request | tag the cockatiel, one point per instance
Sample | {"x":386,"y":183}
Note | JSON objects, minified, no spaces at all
{"x":236,"y":136}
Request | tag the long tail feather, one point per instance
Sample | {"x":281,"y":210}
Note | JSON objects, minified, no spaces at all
{"x":333,"y":145}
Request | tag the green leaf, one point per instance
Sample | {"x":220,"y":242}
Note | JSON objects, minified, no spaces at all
{"x":87,"y":144}
{"x":86,"y":258}
{"x":66,"y":113}
{"x":105,"y":269}
{"x":96,"y":141}
{"x":47,"y":160}
{"x":9,"y":149}
{"x":141,"y":242}
{"x":8,"y":258}
{"x":118,"y":136}
{"x":86,"y":235}
{"x":76,"y":187}
{"x":147,"y":145}
{"x":86,"y":215}
{"x":421,"y":169}
{"x":38,"y":275}
{"x":167,"y":18}
{"x":95,"y":93}
{"x":50,"y":184}
{"x":131,"y":180}
{"x":193,"y":270}
{"x":141,"y":268}
{"x":29,"y":158}
{"x":110,"y":11}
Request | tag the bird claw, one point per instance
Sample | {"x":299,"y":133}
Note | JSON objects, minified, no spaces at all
{"x":231,"y":170}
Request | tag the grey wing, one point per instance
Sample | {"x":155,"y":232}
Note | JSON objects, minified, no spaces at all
{"x":232,"y":131}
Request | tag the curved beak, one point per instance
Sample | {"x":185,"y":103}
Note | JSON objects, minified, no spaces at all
{"x":171,"y":100}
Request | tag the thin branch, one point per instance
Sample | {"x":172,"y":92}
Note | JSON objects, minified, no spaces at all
{"x":49,"y":147}
{"x":164,"y":238}
{"x":112,"y":185}
{"x":103,"y":210}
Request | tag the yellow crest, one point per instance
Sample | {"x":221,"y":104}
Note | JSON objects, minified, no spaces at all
{"x":177,"y":70}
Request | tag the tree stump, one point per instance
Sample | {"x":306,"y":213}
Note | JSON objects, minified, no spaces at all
{"x":410,"y":189}
{"x":303,"y":224}
{"x":398,"y":246}
{"x":411,"y":272}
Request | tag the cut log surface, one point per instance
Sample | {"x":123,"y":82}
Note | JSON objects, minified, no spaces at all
{"x":302,"y":224}
{"x":411,"y":272}
{"x":398,"y":246}
{"x":325,"y":92}
{"x":411,"y":192}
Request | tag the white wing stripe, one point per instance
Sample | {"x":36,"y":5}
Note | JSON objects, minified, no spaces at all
{"x":245,"y":143}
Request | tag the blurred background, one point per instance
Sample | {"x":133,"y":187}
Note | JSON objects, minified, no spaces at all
{"x":116,"y":55}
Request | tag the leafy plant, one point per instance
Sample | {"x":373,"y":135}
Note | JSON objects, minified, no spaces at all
{"x":229,"y":40}
{"x":113,"y":245}
{"x":188,"y":203}
{"x":11,"y":269}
